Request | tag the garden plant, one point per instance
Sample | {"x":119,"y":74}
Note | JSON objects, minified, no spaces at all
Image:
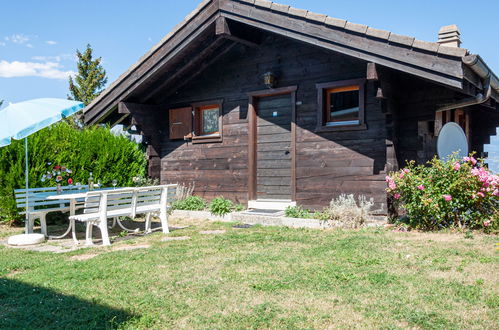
{"x":455,"y":192}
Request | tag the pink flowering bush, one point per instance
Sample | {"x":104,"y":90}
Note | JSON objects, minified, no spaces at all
{"x":454,"y":193}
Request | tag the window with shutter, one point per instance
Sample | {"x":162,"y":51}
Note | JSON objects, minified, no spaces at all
{"x":180,"y":122}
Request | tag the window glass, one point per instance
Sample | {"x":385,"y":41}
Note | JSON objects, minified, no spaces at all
{"x":342,"y":106}
{"x":209,"y":121}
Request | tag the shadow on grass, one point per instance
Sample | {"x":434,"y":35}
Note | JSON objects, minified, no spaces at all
{"x":23,"y":306}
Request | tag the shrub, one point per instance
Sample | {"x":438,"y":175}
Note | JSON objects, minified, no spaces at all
{"x":346,"y":213}
{"x":221,"y":206}
{"x":297,"y":212}
{"x":239,"y":207}
{"x":94,"y":149}
{"x":447,"y":193}
{"x":191,"y":203}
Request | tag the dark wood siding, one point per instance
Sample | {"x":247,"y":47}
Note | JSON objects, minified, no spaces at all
{"x":327,"y":164}
{"x":274,"y":147}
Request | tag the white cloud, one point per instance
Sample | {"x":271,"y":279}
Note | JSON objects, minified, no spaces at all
{"x":57,"y":58}
{"x":50,"y":70}
{"x":2,"y":43}
{"x":18,"y":38}
{"x":51,"y":42}
{"x":29,"y":45}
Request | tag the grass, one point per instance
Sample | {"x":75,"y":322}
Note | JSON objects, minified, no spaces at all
{"x":261,"y":277}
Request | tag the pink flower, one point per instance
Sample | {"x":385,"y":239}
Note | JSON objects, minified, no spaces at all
{"x":487,"y":223}
{"x":421,"y":187}
{"x":406,"y":170}
{"x":495,"y":192}
{"x":70,"y":181}
{"x":457,"y":166}
{"x":388,"y":179}
{"x":481,"y":194}
{"x":402,"y":174}
{"x":396,"y":196}
{"x":392,"y":185}
{"x":430,"y":200}
{"x":447,"y":198}
{"x":473,"y":160}
{"x":466,"y":159}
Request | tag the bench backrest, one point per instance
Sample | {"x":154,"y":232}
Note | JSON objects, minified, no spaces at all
{"x":36,"y":197}
{"x":121,"y":198}
{"x":130,"y":198}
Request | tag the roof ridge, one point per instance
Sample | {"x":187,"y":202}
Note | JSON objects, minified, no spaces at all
{"x":362,"y":29}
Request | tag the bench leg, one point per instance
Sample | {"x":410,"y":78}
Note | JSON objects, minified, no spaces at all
{"x":163,"y":216}
{"x":30,"y":223}
{"x":148,"y":223}
{"x":72,"y":223}
{"x":88,"y":233}
{"x":43,"y":224}
{"x":104,"y":232}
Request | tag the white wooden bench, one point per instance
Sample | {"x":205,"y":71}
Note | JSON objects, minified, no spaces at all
{"x":102,"y":205}
{"x":35,"y":203}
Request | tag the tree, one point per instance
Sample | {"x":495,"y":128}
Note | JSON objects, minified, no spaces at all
{"x":90,"y":79}
{"x":1,"y":102}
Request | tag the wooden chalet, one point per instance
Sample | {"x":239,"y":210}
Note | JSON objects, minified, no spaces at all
{"x":268,"y":104}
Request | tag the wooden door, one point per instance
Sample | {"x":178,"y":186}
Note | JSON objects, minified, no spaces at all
{"x":274,"y":152}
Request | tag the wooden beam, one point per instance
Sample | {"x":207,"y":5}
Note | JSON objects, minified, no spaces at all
{"x":372,"y":72}
{"x":221,"y":26}
{"x":223,"y":29}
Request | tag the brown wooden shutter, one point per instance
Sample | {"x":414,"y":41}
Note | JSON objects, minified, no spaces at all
{"x":180,"y":122}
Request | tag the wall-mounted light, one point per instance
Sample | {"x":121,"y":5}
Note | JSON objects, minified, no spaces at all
{"x":269,"y":79}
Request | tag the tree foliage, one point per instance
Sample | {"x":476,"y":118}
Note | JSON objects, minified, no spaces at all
{"x":90,"y":79}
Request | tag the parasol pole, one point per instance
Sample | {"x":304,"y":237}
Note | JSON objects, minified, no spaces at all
{"x":26,"y":180}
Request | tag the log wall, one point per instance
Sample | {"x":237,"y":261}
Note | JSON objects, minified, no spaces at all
{"x":327,"y":164}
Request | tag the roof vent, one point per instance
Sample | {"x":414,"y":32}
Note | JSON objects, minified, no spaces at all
{"x":450,"y":36}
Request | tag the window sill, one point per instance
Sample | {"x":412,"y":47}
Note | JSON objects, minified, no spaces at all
{"x":342,"y":128}
{"x":206,"y":139}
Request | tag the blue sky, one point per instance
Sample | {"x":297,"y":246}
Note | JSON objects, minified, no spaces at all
{"x":38,"y":39}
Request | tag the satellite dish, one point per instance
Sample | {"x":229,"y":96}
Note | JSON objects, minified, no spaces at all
{"x":452,"y":139}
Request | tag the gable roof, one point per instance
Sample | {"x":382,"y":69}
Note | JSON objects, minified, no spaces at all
{"x":429,"y":60}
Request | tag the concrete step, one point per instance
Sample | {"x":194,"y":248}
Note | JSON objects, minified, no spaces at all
{"x":270,"y":204}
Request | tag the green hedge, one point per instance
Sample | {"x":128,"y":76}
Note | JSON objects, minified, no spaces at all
{"x":93,"y":149}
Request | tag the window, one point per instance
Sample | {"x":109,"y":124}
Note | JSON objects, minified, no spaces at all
{"x":201,"y":122}
{"x":208,"y":120}
{"x":341,"y":105}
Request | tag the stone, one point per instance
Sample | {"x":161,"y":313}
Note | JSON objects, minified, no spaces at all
{"x":26,"y":239}
{"x":82,"y":257}
{"x":177,"y":238}
{"x":212,"y":232}
{"x":131,"y":247}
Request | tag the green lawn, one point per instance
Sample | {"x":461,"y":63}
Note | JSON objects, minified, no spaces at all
{"x":261,"y":277}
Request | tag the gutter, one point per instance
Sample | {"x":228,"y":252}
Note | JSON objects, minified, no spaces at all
{"x":490,"y":84}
